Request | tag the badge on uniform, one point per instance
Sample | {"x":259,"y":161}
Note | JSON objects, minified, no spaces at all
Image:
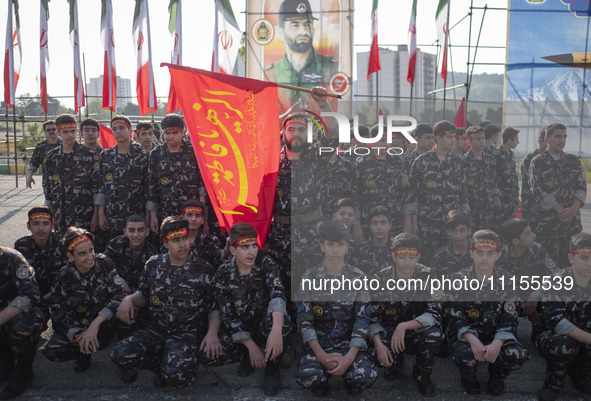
{"x":164,"y":181}
{"x":279,"y":192}
{"x":550,"y":263}
{"x":22,"y":272}
{"x":109,"y":177}
{"x":430,"y":184}
{"x":509,"y":307}
{"x":81,"y":309}
{"x":390,"y":311}
{"x":118,"y":280}
{"x":549,"y":183}
{"x":404,"y":179}
{"x":436,"y":295}
{"x":155,"y":300}
{"x":369,"y":182}
{"x":473,"y":313}
{"x":317,"y":310}
{"x":55,"y":177}
{"x":508,"y":171}
{"x":470,"y":181}
{"x":277,"y":281}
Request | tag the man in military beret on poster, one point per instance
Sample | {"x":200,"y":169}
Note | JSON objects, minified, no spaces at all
{"x":302,"y":65}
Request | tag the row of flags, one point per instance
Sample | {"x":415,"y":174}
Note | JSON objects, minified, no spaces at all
{"x":227,"y":40}
{"x":441,"y":22}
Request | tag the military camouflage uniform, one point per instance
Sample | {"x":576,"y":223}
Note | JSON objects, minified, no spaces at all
{"x":371,"y":258}
{"x":335,"y":185}
{"x":338,"y":322}
{"x":492,"y":317}
{"x":508,"y":184}
{"x":124,"y":185}
{"x":247,"y":302}
{"x":173,"y":178}
{"x":72,"y":183}
{"x":129,"y":265}
{"x":562,"y":312}
{"x":317,"y":70}
{"x":527,"y":202}
{"x":535,"y":262}
{"x":46,"y":261}
{"x":395,"y":307}
{"x":76,"y":300}
{"x":209,"y":249}
{"x":481,"y":187}
{"x":18,"y":288}
{"x":180,"y":300}
{"x":436,"y":187}
{"x":39,"y":153}
{"x":446,"y":261}
{"x":380,"y":183}
{"x":556,"y":181}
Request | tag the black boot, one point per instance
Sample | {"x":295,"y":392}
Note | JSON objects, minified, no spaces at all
{"x":470,"y":384}
{"x":548,"y":393}
{"x":272,"y":382}
{"x":424,"y":383}
{"x":289,"y":353}
{"x":18,"y":381}
{"x":82,"y":363}
{"x":244,"y":367}
{"x":496,"y":380}
{"x":128,"y":375}
{"x":321,"y":390}
{"x":391,"y":373}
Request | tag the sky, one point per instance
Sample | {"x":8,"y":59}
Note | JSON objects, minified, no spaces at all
{"x":198,"y":25}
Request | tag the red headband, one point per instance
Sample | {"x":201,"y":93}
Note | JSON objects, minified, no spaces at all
{"x":581,"y":251}
{"x":406,"y":251}
{"x":40,"y":215}
{"x":243,"y":240}
{"x":172,"y":129}
{"x":121,"y":121}
{"x":77,"y":241}
{"x":192,"y":209}
{"x":67,"y":126}
{"x":485,"y":244}
{"x":183,"y":232}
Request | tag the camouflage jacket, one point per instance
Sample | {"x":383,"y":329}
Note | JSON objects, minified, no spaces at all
{"x":77,"y":299}
{"x":446,"y":261}
{"x":72,"y":183}
{"x":173,"y":178}
{"x":335,"y":184}
{"x":208,"y":248}
{"x":564,"y":310}
{"x":535,"y":262}
{"x":380,"y":182}
{"x":395,"y":307}
{"x":493,"y":315}
{"x":481,"y":187}
{"x":124,"y":185}
{"x":370,"y":258}
{"x":129,"y":265}
{"x":244,"y":300}
{"x":180,"y":298}
{"x":436,"y":187}
{"x":527,"y":202}
{"x":508,"y":182}
{"x":340,"y":319}
{"x":556,"y":181}
{"x":40,"y":152}
{"x":46,"y":261}
{"x":18,"y":287}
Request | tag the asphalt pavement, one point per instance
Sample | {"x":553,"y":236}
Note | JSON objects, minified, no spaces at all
{"x":57,"y":381}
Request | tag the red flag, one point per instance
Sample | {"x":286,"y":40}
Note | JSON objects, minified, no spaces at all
{"x":374,"y":52}
{"x":106,"y":136}
{"x":412,"y":45}
{"x":233,"y":123}
{"x":460,"y":120}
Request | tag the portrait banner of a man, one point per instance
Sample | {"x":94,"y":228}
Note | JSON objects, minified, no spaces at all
{"x":303,"y":43}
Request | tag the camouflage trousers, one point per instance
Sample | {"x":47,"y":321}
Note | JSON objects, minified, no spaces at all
{"x":423,"y":343}
{"x":19,"y":336}
{"x":558,"y":250}
{"x":311,"y":373}
{"x":174,"y":356}
{"x":60,"y":349}
{"x":563,"y":354}
{"x":511,"y":357}
{"x":74,"y":216}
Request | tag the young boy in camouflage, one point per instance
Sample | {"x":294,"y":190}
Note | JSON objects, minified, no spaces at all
{"x":406,"y":320}
{"x":563,"y":336}
{"x":252,"y":303}
{"x":455,"y":255}
{"x":374,"y":254}
{"x":208,"y":247}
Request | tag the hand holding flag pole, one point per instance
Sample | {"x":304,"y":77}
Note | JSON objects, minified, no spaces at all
{"x":297,"y":88}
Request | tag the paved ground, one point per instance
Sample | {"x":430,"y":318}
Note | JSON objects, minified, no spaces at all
{"x":57,"y":381}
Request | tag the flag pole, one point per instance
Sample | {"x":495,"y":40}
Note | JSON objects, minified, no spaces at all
{"x":412,"y":85}
{"x":446,"y":48}
{"x":85,"y":88}
{"x":377,"y":96}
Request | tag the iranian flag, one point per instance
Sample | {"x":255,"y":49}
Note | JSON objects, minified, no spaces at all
{"x":412,"y":44}
{"x":12,"y":64}
{"x":146,"y":90}
{"x":374,"y":53}
{"x":75,"y":40}
{"x":442,"y":24}
{"x":175,"y":27}
{"x":43,"y":51}
{"x":226,"y":41}
{"x":109,"y":72}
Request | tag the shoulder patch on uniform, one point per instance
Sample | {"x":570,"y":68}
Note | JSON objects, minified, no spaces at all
{"x":277,"y":281}
{"x":509,"y":307}
{"x":155,"y":300}
{"x":317,"y":310}
{"x":365,"y":297}
{"x":22,"y":272}
{"x":81,"y":309}
{"x":436,"y":295}
{"x":550,"y":263}
{"x":117,"y":280}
